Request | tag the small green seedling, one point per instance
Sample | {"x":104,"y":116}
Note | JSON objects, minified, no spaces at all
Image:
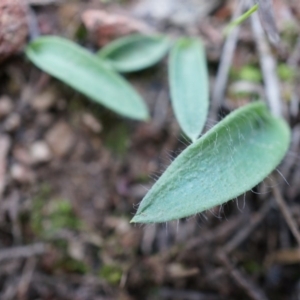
{"x":86,"y":73}
{"x":135,"y":52}
{"x":96,"y":75}
{"x":230,"y":159}
{"x":225,"y":162}
{"x":188,"y":78}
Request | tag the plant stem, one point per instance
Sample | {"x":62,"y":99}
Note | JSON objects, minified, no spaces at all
{"x":240,"y":19}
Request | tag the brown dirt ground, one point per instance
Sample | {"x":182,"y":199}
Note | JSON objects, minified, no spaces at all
{"x":64,"y":215}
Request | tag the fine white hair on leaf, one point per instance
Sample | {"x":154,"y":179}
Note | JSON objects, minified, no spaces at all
{"x":214,"y":214}
{"x":184,"y":140}
{"x":238,"y":205}
{"x":277,"y":170}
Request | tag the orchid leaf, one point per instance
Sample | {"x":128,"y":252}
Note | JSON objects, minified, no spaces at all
{"x":230,"y":159}
{"x":189,"y":85}
{"x":135,"y":52}
{"x":84,"y":72}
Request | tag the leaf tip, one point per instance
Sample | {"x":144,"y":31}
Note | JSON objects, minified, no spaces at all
{"x":193,"y":138}
{"x":143,"y":115}
{"x":133,"y":220}
{"x":138,"y":218}
{"x":147,"y":119}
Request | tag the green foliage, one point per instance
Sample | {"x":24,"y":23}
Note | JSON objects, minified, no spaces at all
{"x":49,"y":216}
{"x":189,"y":85}
{"x":117,"y":139}
{"x":285,"y":72}
{"x":61,"y":215}
{"x":111,"y":273}
{"x":72,"y":265}
{"x":228,"y":160}
{"x":37,"y":209}
{"x":253,"y":267}
{"x":86,"y":73}
{"x":135,"y":52}
{"x":249,"y":73}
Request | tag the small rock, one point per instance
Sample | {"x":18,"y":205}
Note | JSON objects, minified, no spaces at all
{"x":40,"y":153}
{"x":44,"y":119}
{"x":185,"y":13}
{"x":6,"y":106}
{"x":105,"y":26}
{"x":21,"y":154}
{"x":76,"y":249}
{"x":13,"y":27}
{"x":60,"y":138}
{"x":21,"y":173}
{"x":44,"y":101}
{"x":91,"y":122}
{"x":12,"y":123}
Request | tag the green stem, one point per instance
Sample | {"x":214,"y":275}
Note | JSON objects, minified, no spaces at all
{"x":240,"y":19}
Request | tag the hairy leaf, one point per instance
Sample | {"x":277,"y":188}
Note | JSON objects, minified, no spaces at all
{"x":84,"y":72}
{"x":189,"y":85}
{"x":231,"y":158}
{"x":135,"y":52}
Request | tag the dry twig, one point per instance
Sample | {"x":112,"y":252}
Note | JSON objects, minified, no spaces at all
{"x":43,"y":2}
{"x":248,"y":228}
{"x":247,"y":285}
{"x":26,"y":278}
{"x":286,"y":213}
{"x":225,"y":61}
{"x":22,"y":251}
{"x":268,"y":65}
{"x":5,"y":146}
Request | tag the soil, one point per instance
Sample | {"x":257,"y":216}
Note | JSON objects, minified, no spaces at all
{"x":72,"y":172}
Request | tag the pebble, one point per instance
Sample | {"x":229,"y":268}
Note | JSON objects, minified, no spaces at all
{"x":40,"y":152}
{"x":6,"y":106}
{"x":12,"y":123}
{"x":44,"y":119}
{"x":91,"y":122}
{"x":44,"y":101}
{"x":21,"y":173}
{"x":21,"y":154}
{"x":13,"y":27}
{"x":60,"y":139}
{"x":184,"y":13}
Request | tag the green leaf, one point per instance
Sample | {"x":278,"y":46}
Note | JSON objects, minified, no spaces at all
{"x":231,"y":158}
{"x":189,"y":85}
{"x":135,"y":52}
{"x":84,"y":72}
